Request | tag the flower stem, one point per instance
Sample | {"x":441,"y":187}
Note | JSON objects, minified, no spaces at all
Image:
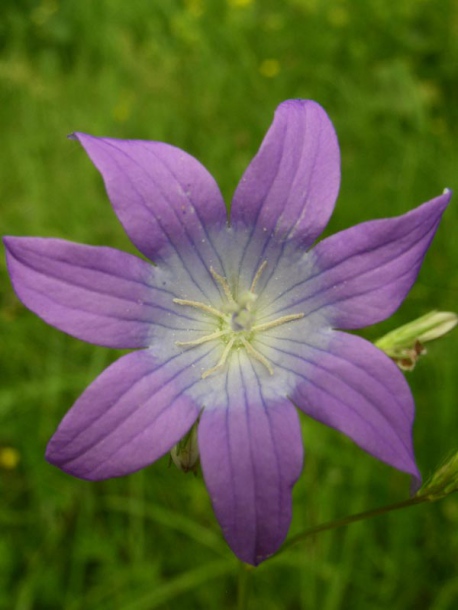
{"x":244,"y":583}
{"x":368,"y":514}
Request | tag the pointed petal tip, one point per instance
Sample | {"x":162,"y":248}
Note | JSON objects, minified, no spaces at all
{"x":441,"y":201}
{"x":410,"y":468}
{"x":10,"y":240}
{"x":11,"y":243}
{"x":163,"y":196}
{"x":250,"y":465}
{"x":290,"y":187}
{"x":130,"y":416}
{"x":53,"y":456}
{"x":84,"y":138}
{"x":300,"y":102}
{"x":366,"y":271}
{"x":6,"y":239}
{"x":356,"y":389}
{"x":95,"y":294}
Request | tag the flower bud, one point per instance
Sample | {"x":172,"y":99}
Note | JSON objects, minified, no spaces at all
{"x":406,"y":343}
{"x":185,"y":454}
{"x":443,"y":482}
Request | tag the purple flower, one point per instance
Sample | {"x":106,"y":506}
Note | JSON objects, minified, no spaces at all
{"x":237,"y":322}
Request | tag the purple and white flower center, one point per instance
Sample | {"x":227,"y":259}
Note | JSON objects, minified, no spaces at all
{"x":235,"y":322}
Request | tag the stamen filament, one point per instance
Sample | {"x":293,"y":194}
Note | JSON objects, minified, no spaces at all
{"x":202,"y":306}
{"x":278,"y":322}
{"x":258,"y":356}
{"x":204,"y":339}
{"x":224,"y":285}
{"x":222,"y":361}
{"x":257,"y":276}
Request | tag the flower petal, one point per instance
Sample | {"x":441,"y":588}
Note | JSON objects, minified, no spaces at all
{"x":99,"y":295}
{"x":162,"y":195}
{"x":131,"y":415}
{"x":348,"y":384}
{"x":364,"y":273}
{"x":290,"y":187}
{"x":251,"y":455}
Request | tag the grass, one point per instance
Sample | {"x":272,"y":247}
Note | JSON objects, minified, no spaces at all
{"x":206,"y":76}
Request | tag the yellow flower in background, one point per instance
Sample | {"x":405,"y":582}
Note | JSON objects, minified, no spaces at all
{"x":338,"y":16}
{"x":9,"y":458}
{"x":195,"y":7}
{"x":43,"y":13}
{"x":123,"y":109}
{"x":239,"y":3}
{"x":270,"y":68}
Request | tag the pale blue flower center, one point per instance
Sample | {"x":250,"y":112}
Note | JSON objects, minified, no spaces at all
{"x":235,"y":324}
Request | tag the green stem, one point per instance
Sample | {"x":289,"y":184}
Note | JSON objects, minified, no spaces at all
{"x":368,"y":514}
{"x":244,"y":583}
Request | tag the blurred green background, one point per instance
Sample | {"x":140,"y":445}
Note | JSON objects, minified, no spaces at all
{"x":206,"y":75}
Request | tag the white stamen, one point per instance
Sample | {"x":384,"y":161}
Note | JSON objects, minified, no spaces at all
{"x":257,"y":276}
{"x":224,"y":285}
{"x":202,"y":306}
{"x":211,"y":337}
{"x":277,"y":322}
{"x":221,"y":361}
{"x":258,"y":356}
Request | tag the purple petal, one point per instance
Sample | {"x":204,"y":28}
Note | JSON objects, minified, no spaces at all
{"x":290,"y":187}
{"x":348,"y":384}
{"x":364,"y":273}
{"x":251,"y":454}
{"x":131,"y":415}
{"x":162,"y":195}
{"x":99,"y":295}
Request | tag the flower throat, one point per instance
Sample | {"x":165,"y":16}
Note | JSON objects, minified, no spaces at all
{"x":236,"y":322}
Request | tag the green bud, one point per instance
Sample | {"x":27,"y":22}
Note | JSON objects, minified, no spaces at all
{"x":406,"y":343}
{"x":443,"y":482}
{"x":185,"y":454}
